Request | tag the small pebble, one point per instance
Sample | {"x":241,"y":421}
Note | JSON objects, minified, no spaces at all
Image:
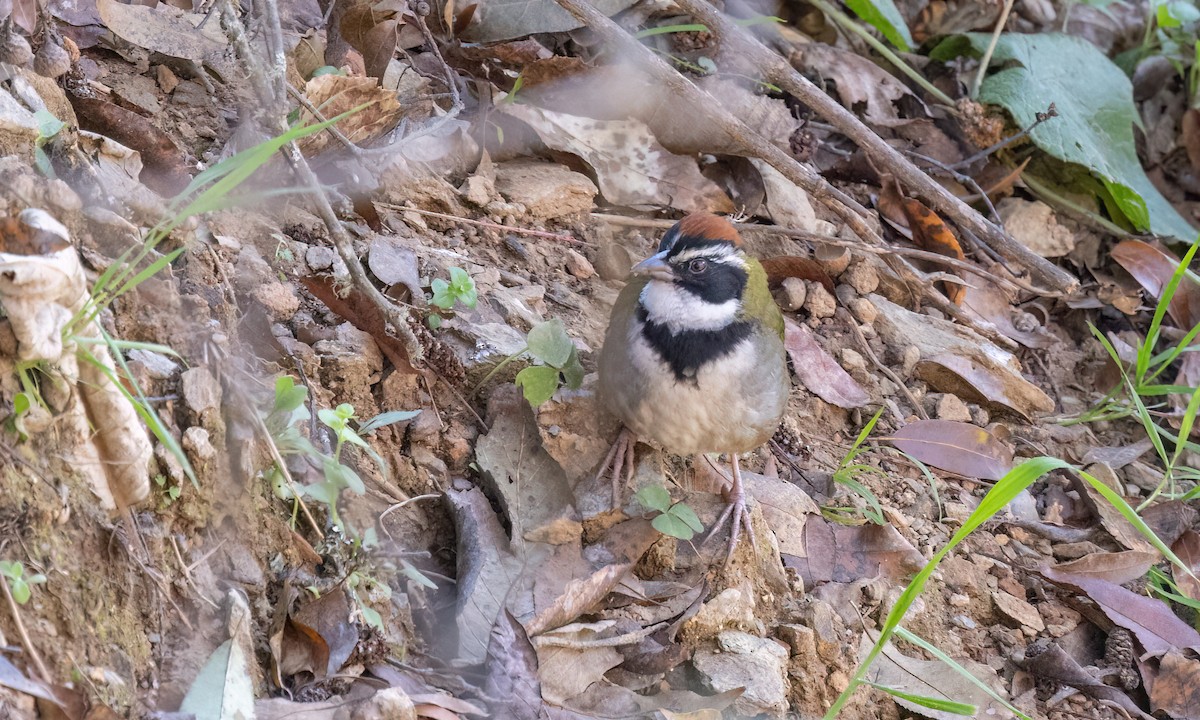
{"x":818,"y":302}
{"x":863,"y":277}
{"x":579,"y":266}
{"x":792,"y":294}
{"x":863,"y":310}
{"x":951,"y":407}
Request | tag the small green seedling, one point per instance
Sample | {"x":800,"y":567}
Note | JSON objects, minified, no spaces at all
{"x":461,"y":288}
{"x":678,"y":520}
{"x":550,"y":345}
{"x":284,"y":423}
{"x":847,"y":475}
{"x":16,"y":422}
{"x":48,"y":127}
{"x":18,"y":582}
{"x":171,"y":492}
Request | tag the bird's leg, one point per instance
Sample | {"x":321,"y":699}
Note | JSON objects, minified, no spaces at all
{"x":620,"y":457}
{"x":736,"y":511}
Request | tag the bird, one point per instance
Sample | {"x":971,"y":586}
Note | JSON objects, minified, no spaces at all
{"x":693,"y":358}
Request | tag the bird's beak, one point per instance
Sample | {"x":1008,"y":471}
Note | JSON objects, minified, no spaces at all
{"x":655,"y":268}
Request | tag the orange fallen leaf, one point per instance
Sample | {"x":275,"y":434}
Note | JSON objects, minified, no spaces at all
{"x":930,"y":233}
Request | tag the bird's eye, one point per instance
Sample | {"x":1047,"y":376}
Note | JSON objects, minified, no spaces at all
{"x":697,"y":266}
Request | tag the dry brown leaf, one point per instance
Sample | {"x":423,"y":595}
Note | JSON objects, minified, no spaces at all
{"x":333,"y":95}
{"x":1117,"y":567}
{"x":931,"y":234}
{"x":373,"y":33}
{"x":631,"y":166}
{"x":1152,"y":621}
{"x":1153,"y":267}
{"x":1187,"y":548}
{"x":1176,"y":690}
{"x":934,"y":679}
{"x":364,"y":315}
{"x":164,"y":29}
{"x":957,"y":360}
{"x":859,"y":81}
{"x":165,"y":167}
{"x":819,"y":372}
{"x":958,"y":447}
{"x":841,"y":553}
{"x":1054,"y":663}
{"x":986,"y":301}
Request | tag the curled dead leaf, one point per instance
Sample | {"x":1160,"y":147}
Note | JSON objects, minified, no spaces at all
{"x":958,"y":447}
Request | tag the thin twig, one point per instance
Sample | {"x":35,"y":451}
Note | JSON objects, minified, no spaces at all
{"x":483,"y":223}
{"x":884,"y":251}
{"x":43,"y":673}
{"x":627,"y":639}
{"x":1039,"y":118}
{"x":862,"y":342}
{"x":777,"y":70}
{"x":991,"y":48}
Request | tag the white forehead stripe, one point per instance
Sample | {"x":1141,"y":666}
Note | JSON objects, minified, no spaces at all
{"x":679,"y":310}
{"x":713,"y":253}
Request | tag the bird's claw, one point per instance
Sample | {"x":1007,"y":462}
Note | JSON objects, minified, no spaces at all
{"x":620,"y":457}
{"x":737,"y":514}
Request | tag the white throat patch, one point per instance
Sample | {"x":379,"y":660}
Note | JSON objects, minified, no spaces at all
{"x":680,"y":310}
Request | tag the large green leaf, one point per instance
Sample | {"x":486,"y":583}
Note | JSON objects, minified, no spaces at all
{"x":884,"y":16}
{"x":1096,"y":115}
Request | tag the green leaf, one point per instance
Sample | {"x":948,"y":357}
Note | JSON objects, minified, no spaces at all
{"x":20,"y":590}
{"x":463,"y":287}
{"x":685,"y":513}
{"x":654,"y":497}
{"x":884,"y":17}
{"x":387,"y":418}
{"x":572,"y":371}
{"x":288,"y":395}
{"x":550,"y":343}
{"x":48,"y":125}
{"x":538,"y":382}
{"x":442,"y":297}
{"x":669,"y":524}
{"x":1096,"y":115}
{"x":950,"y":706}
{"x":434,"y":321}
{"x":11,"y":569}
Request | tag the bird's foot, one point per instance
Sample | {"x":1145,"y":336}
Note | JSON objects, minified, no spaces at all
{"x":620,"y":457}
{"x":736,"y":513}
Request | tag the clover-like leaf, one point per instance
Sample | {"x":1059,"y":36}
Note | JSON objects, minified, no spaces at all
{"x":538,"y":382}
{"x":654,"y":497}
{"x":550,"y":343}
{"x":670,"y":524}
{"x":687,"y":515}
{"x":387,"y":418}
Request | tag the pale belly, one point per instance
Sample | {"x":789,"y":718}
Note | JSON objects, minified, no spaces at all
{"x":733,"y":404}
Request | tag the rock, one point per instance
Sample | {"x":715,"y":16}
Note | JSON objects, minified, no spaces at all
{"x":546,"y":190}
{"x":979,"y":416}
{"x":788,"y":203}
{"x":732,"y":609}
{"x":201,"y":391}
{"x":759,"y":665}
{"x":197,"y":445}
{"x":844,"y":293}
{"x":862,"y":276}
{"x":320,"y":257}
{"x":158,"y":366}
{"x":909,"y":360}
{"x":387,"y":704}
{"x":819,"y":303}
{"x":613,"y":261}
{"x":853,"y":360}
{"x":863,"y":310}
{"x":478,"y":190}
{"x":521,"y":306}
{"x":1018,"y":610}
{"x":139,"y":91}
{"x":950,"y":407}
{"x":579,"y":266}
{"x":278,"y":299}
{"x":792,"y":294}
{"x":1034,"y":225}
{"x":395,"y":264}
{"x":167,"y":80}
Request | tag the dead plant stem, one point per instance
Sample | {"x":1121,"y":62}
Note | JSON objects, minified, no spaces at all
{"x":991,"y":48}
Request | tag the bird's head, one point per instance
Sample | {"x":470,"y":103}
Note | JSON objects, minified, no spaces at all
{"x":698,"y":277}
